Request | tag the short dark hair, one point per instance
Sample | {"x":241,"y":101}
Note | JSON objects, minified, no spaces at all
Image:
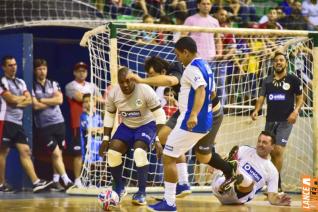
{"x":122,"y":71}
{"x":5,"y":58}
{"x":182,"y":16}
{"x":270,"y":134}
{"x":186,"y":43}
{"x":39,"y":62}
{"x":86,"y":95}
{"x":157,"y":63}
{"x":279,"y":53}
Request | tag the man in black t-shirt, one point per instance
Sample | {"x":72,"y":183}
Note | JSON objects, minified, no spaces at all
{"x":280,"y":90}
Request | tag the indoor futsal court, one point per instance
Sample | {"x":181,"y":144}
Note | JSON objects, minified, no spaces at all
{"x":196,"y":202}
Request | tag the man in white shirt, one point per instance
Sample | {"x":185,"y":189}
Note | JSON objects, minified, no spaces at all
{"x":255,"y":170}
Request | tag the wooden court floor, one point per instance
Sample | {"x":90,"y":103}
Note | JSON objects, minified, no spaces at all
{"x":192,"y":203}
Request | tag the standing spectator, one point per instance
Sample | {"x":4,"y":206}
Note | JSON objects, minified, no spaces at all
{"x":49,"y":121}
{"x":74,"y":92}
{"x":226,"y":68}
{"x":310,"y":12}
{"x":209,"y":45}
{"x":280,"y":90}
{"x":17,"y":97}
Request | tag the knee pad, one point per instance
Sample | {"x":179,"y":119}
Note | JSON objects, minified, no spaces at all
{"x":140,"y":157}
{"x":114,"y":158}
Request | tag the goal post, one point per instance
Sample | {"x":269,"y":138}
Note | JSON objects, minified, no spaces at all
{"x":238,"y":75}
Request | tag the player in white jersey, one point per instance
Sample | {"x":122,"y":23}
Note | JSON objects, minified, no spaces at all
{"x":255,"y":170}
{"x":195,"y":118}
{"x":140,"y":110}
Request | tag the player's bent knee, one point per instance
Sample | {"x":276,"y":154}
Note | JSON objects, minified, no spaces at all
{"x":140,"y":157}
{"x":204,"y":158}
{"x":114,"y":158}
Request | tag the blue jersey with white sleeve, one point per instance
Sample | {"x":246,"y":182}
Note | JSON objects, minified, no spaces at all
{"x":197,"y":73}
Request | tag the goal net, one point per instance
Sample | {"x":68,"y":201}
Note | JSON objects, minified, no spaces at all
{"x":246,"y":61}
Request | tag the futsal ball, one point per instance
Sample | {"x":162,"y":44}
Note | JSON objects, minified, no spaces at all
{"x":108,"y":199}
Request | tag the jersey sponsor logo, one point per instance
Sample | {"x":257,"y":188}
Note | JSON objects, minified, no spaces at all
{"x":130,"y":114}
{"x":286,"y":86}
{"x":277,"y":97}
{"x":204,"y":148}
{"x":197,"y":78}
{"x":77,"y":148}
{"x":146,"y":135}
{"x":169,"y":148}
{"x":139,"y":102}
{"x":252,"y":172}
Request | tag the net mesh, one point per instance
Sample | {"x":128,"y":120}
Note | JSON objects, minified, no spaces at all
{"x":246,"y":61}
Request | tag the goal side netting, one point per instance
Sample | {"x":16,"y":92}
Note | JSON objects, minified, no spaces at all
{"x":246,"y":61}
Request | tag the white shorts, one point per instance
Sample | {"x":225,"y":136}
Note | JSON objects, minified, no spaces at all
{"x":180,"y":141}
{"x":229,"y":197}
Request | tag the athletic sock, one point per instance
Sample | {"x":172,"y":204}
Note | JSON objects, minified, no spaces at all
{"x":117,"y":177}
{"x":142,"y":177}
{"x":56,"y":178}
{"x":170,"y":193}
{"x":65,"y":179}
{"x":217,"y":162}
{"x":183,"y":175}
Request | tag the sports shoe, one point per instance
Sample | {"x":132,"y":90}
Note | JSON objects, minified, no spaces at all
{"x":68,"y":185}
{"x":139,"y":198}
{"x":162,"y":206}
{"x":6,"y":188}
{"x":42,"y":185}
{"x":122,"y":194}
{"x":56,"y":186}
{"x":228,"y":183}
{"x":233,"y":154}
{"x":183,"y":190}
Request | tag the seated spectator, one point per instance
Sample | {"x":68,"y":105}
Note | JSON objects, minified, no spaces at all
{"x":295,"y":21}
{"x":171,"y":105}
{"x":174,"y":6}
{"x":165,"y":36}
{"x":280,"y":15}
{"x":287,"y":6}
{"x":272,"y":20}
{"x":240,"y":11}
{"x":145,"y":37}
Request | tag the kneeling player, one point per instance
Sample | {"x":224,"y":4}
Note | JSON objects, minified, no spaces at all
{"x":140,"y":109}
{"x":254,"y":171}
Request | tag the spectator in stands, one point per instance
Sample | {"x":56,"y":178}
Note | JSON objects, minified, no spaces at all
{"x":310,"y":12}
{"x":74,"y":93}
{"x":226,"y":67}
{"x":17,"y":97}
{"x":165,"y":36}
{"x":171,"y":105}
{"x":91,"y":125}
{"x":280,"y":15}
{"x":209,"y":44}
{"x":174,"y":6}
{"x":242,"y":12}
{"x":295,"y":21}
{"x":49,"y":121}
{"x":180,"y":18}
{"x":145,"y":37}
{"x":272,"y":20}
{"x":287,"y":6}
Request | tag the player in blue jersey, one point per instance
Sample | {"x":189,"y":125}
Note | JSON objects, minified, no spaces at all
{"x":195,"y":118}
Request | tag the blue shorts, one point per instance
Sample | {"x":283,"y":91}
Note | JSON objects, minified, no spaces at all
{"x":145,"y":133}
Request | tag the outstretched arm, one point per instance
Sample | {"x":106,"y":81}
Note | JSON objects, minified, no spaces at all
{"x":279,"y":199}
